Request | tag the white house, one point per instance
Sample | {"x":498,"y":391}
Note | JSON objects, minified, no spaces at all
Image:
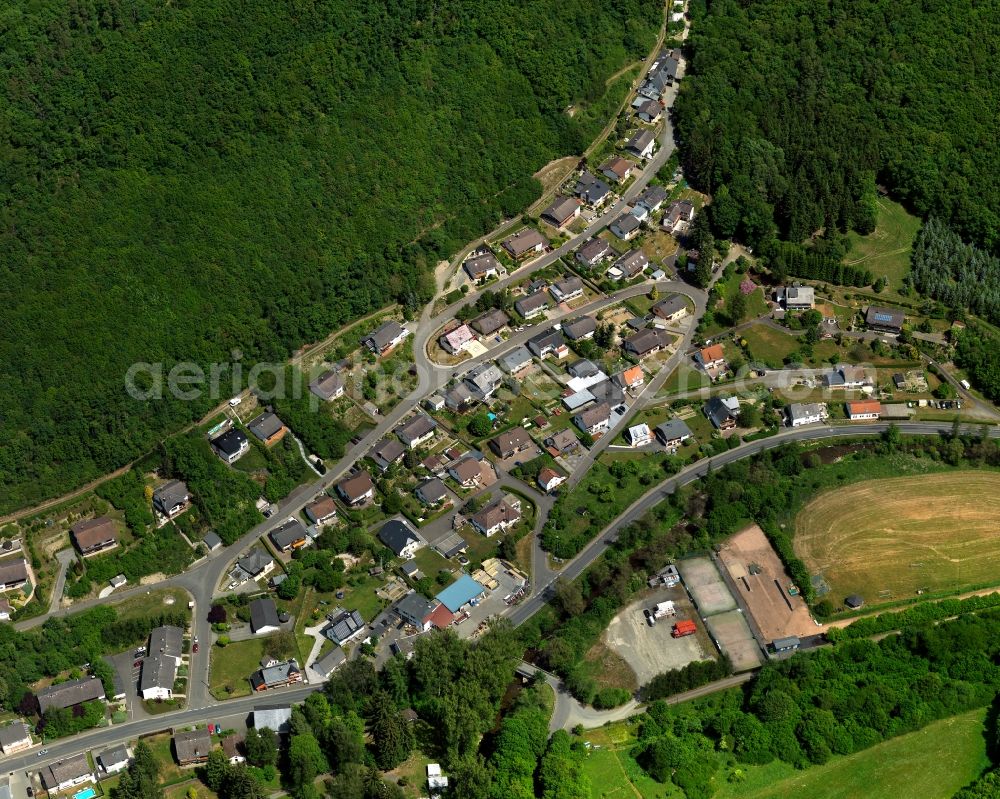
{"x":639,"y":435}
{"x":803,"y":413}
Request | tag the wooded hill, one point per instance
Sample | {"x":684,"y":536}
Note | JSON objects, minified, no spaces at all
{"x":181,"y":180}
{"x":793,"y":110}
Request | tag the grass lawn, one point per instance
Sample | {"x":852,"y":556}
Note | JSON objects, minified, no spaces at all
{"x":613,"y":772}
{"x":896,"y":768}
{"x":153,"y":602}
{"x":769,"y":345}
{"x":253,"y":461}
{"x":170,"y":772}
{"x":684,"y":378}
{"x":886,"y":251}
{"x":608,"y":669}
{"x":231,"y":667}
{"x":876,"y":538}
{"x":180,"y":791}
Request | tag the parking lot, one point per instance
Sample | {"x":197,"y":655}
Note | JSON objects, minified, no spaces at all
{"x":652,"y":650}
{"x":127,"y":670}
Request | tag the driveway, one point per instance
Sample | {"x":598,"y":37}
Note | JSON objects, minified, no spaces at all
{"x":65,"y":558}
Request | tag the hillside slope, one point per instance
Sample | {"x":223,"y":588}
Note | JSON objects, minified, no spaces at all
{"x":183,"y":180}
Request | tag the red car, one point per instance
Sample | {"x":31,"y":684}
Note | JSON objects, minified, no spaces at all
{"x":194,"y":648}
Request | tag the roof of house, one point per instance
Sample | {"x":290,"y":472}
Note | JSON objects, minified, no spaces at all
{"x":113,"y":756}
{"x":525,"y":305}
{"x":561,"y":209}
{"x":263,"y":613}
{"x":499,"y":511}
{"x":592,"y":416}
{"x":459,"y":395}
{"x":432,"y":490}
{"x":166,"y":640}
{"x":516,"y":358}
{"x":646,"y":340}
{"x":631,"y":263}
{"x":158,"y":671}
{"x":415,"y":606}
{"x":460,"y":592}
{"x":638,"y":431}
{"x":385,"y":334}
{"x":72,"y":692}
{"x":583,"y":368}
{"x":13,"y":571}
{"x":804,"y":410}
{"x":65,"y":770}
{"x":451,"y":545}
{"x":607,"y":391}
{"x":800,"y":293}
{"x":547,"y":338}
{"x":618,"y":166}
{"x":230,"y":442}
{"x":632,"y":375}
{"x":323,"y":506}
{"x":593,"y":250}
{"x":288,"y":533}
{"x":13,"y":733}
{"x":884,"y":317}
{"x":640,"y":140}
{"x":491,"y":321}
{"x":626,"y":223}
{"x":673,"y":429}
{"x":668,"y":306}
{"x":591,"y":188}
{"x":713,"y":353}
{"x":485,"y":377}
{"x":277,"y":673}
{"x":653,"y":196}
{"x":356,"y":486}
{"x":327,"y":664}
{"x":415,"y":428}
{"x":459,"y":337}
{"x":524,"y":240}
{"x":511,"y":440}
{"x":231,"y":745}
{"x":564,"y":439}
{"x":466,"y":469}
{"x":255,"y":561}
{"x":275,"y":718}
{"x":649,"y":107}
{"x":579,"y":327}
{"x":547,"y":475}
{"x":92,"y":532}
{"x":864,"y":406}
{"x":678,"y":209}
{"x":719,"y":411}
{"x":266,"y":425}
{"x":481,"y":264}
{"x":170,"y":493}
{"x":192,"y":745}
{"x":327,"y":385}
{"x":397,"y":535}
{"x":388,"y":450}
{"x":568,"y":285}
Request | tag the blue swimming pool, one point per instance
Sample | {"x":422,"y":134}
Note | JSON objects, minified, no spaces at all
{"x":86,"y":793}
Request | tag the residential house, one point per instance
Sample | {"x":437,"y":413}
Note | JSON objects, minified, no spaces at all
{"x":457,"y":340}
{"x":678,"y":216}
{"x":532,"y":305}
{"x":712,"y":357}
{"x":626,"y":227}
{"x":595,"y":420}
{"x":617,"y":169}
{"x":483,"y":266}
{"x":607,"y":391}
{"x":652,"y":198}
{"x":264,"y":616}
{"x":289,"y":535}
{"x":322,"y":510}
{"x":328,"y":386}
{"x":13,"y":574}
{"x":632,"y":377}
{"x":484,"y":380}
{"x":567,"y":289}
{"x":797,"y":298}
{"x":330,"y":662}
{"x":649,"y":110}
{"x":646,"y":342}
{"x":638,"y":435}
{"x":490,"y":322}
{"x":70,"y":693}
{"x":171,"y":498}
{"x":576,"y":400}
{"x":231,"y":445}
{"x":722,"y":412}
{"x":562,"y":211}
{"x":458,"y":398}
{"x":672,"y":433}
{"x":803,"y":413}
{"x":885,"y":320}
{"x":641,"y":144}
{"x":671,"y":309}
{"x":268,"y":428}
{"x":345,"y":626}
{"x":563,"y":442}
{"x":549,"y":479}
{"x":66,"y":773}
{"x":432,"y":491}
{"x":435,"y":402}
{"x":630,"y":265}
{"x":232,"y":748}
{"x":499,"y":516}
{"x":592,"y":190}
{"x":546,"y":342}
{"x":115,"y":759}
{"x":398,"y":536}
{"x":593,"y":252}
{"x":357,"y":489}
{"x":581,"y":328}
{"x":583,"y":369}
{"x":525,"y":243}
{"x":93,"y":536}
{"x":466,"y":472}
{"x":511,"y":442}
{"x":418,"y":430}
{"x":15,"y":737}
{"x":278,"y":719}
{"x":255,"y":565}
{"x":864,"y":409}
{"x":415,"y":610}
{"x":192,"y":748}
{"x":159,"y":673}
{"x":847,"y":377}
{"x":385,"y":337}
{"x":515,"y":360}
{"x":276,"y":675}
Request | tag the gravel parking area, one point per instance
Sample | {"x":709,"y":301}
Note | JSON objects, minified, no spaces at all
{"x":652,"y":650}
{"x":706,"y":585}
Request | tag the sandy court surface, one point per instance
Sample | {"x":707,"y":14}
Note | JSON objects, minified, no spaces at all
{"x":706,"y":585}
{"x":761,"y":579}
{"x":651,"y":650}
{"x":895,"y":537}
{"x":735,"y":639}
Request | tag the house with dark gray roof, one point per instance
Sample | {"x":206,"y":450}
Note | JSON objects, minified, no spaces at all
{"x":268,"y":428}
{"x":344,"y":626}
{"x":416,"y":430}
{"x":171,"y":498}
{"x":231,"y":445}
{"x":159,"y":672}
{"x":328,"y":386}
{"x":13,"y":574}
{"x":385,"y":337}
{"x":254,"y":565}
{"x":432,"y":491}
{"x":289,"y":535}
{"x":330,"y":662}
{"x":671,"y":308}
{"x":276,"y":675}
{"x":581,"y":328}
{"x":115,"y":759}
{"x":594,"y":420}
{"x":458,"y":398}
{"x":583,"y":368}
{"x":886,"y":320}
{"x":167,"y":640}
{"x":387,"y":452}
{"x":398,"y":536}
{"x":490,"y":322}
{"x":483,"y":266}
{"x":591,"y":190}
{"x":567,"y":289}
{"x":545,"y":342}
{"x":672,"y":433}
{"x":264,"y":616}
{"x":562,"y":211}
{"x":70,"y":693}
{"x":646,"y":342}
{"x":515,"y":360}
{"x":416,"y":610}
{"x":14,"y":737}
{"x":626,"y":227}
{"x":630,"y":265}
{"x":653,"y":197}
{"x":648,"y":110}
{"x":642,"y":143}
{"x":510,"y":442}
{"x":533,"y":304}
{"x":722,"y":412}
{"x":192,"y":748}
{"x":66,"y":773}
{"x":484,"y":380}
{"x":593,"y":252}
{"x":607,"y":391}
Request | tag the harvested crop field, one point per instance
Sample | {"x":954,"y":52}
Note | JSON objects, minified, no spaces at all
{"x":893,"y":538}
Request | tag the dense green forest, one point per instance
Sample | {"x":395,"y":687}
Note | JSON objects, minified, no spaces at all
{"x":184,"y":180}
{"x":793,"y":110}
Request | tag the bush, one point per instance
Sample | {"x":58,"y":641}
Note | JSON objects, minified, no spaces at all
{"x":608,"y":698}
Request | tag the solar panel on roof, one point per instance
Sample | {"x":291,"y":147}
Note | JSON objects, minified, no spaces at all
{"x":883,"y":317}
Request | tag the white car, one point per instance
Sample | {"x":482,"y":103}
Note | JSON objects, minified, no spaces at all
{"x":234,"y":402}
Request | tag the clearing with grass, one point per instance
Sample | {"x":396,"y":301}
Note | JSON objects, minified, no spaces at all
{"x":886,"y":250}
{"x":890,"y":538}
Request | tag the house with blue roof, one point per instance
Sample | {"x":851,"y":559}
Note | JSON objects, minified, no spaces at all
{"x":460,"y":593}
